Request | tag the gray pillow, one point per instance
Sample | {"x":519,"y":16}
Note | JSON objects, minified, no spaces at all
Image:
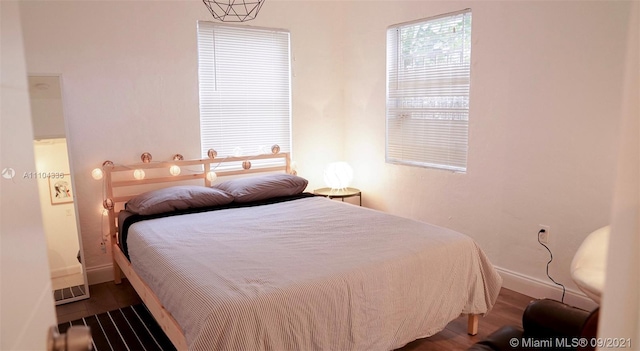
{"x":263,"y":187}
{"x":177,"y":198}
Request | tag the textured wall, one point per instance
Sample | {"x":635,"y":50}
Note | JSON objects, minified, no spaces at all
{"x":544,"y":115}
{"x":130,"y":85}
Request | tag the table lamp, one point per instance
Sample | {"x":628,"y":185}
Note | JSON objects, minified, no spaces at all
{"x":338,"y":175}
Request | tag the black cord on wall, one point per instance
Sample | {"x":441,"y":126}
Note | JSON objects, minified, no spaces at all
{"x":548,"y":263}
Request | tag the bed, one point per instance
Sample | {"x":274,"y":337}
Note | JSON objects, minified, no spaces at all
{"x":293,"y":271}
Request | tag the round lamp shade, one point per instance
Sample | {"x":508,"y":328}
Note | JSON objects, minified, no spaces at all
{"x":338,"y":175}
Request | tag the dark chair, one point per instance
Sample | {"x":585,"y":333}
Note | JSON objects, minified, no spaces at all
{"x":547,"y":325}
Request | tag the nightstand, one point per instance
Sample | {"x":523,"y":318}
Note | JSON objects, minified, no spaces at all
{"x":339,"y":193}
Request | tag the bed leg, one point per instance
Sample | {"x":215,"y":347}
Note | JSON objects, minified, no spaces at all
{"x":472,"y":326}
{"x":117,"y":273}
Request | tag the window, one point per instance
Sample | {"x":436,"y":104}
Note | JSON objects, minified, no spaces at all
{"x":428,"y":76}
{"x":245,"y":95}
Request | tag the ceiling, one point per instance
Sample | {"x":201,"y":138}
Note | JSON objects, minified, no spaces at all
{"x":44,"y":87}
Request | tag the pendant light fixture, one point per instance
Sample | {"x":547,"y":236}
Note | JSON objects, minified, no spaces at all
{"x":234,"y":10}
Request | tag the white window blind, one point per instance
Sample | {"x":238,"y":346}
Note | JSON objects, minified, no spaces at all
{"x":428,"y":78}
{"x":245,"y":95}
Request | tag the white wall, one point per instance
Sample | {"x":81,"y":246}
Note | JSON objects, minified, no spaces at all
{"x":26,"y":299}
{"x":546,"y":83}
{"x":129,"y":72}
{"x":59,"y":220}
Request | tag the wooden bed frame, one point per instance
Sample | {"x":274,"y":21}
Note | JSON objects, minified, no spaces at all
{"x":114,"y":203}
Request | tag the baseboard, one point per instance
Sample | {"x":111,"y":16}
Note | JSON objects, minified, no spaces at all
{"x":537,"y":288}
{"x":100,"y":274}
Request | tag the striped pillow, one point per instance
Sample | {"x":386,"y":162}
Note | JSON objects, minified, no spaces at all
{"x":177,"y":198}
{"x":263,"y":187}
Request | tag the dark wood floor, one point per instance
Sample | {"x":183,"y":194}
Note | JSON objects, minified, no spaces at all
{"x":104,"y":297}
{"x":508,"y":310}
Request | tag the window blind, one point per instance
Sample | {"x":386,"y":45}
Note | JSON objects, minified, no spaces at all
{"x":245,"y":94}
{"x":428,"y":78}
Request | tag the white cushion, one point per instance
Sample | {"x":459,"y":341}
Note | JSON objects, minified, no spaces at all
{"x":589,"y":263}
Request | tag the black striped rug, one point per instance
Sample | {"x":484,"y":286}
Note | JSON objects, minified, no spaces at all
{"x":129,"y":328}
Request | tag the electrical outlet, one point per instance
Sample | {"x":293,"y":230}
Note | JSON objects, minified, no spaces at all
{"x":546,"y":236}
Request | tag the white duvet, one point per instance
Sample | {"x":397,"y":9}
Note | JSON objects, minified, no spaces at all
{"x":309,"y":274}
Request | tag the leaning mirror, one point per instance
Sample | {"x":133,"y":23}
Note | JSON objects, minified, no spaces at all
{"x":55,"y":185}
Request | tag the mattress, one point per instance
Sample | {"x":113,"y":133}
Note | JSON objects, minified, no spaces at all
{"x":309,"y":274}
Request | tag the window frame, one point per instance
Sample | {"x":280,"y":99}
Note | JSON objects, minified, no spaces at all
{"x":403,"y":116}
{"x":212,"y":78}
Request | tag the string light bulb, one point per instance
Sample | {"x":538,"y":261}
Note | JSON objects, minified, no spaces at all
{"x":178,"y":157}
{"x":174,"y":170}
{"x":275,"y":149}
{"x":107,"y":204}
{"x":97,"y":174}
{"x":246,"y":164}
{"x":212,"y":153}
{"x":138,"y":174}
{"x":146,"y":157}
{"x":212,"y":176}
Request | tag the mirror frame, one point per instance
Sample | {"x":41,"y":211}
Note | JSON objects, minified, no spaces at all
{"x":73,"y":186}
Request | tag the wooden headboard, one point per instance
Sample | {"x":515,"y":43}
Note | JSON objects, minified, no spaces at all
{"x":121,"y":184}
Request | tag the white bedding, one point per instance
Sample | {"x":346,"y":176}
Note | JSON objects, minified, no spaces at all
{"x":309,"y":274}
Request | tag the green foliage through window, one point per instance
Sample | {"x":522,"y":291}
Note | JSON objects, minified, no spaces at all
{"x":428,"y":80}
